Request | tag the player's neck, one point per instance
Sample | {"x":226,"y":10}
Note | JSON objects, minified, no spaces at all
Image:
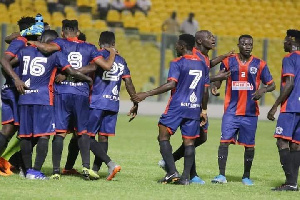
{"x":203,"y":50}
{"x":243,"y":58}
{"x":187,"y":52}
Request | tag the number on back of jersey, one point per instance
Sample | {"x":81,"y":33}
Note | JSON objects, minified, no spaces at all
{"x":75,"y":59}
{"x":36,"y":68}
{"x":114,"y":74}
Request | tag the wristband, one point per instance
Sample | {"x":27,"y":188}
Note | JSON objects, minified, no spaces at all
{"x":204,"y":112}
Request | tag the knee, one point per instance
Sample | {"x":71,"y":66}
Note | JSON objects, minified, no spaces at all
{"x":282,"y":144}
{"x":295,"y":147}
{"x":249,"y":148}
{"x":102,"y":138}
{"x":200,"y":140}
{"x":224,"y":144}
{"x":188,"y":142}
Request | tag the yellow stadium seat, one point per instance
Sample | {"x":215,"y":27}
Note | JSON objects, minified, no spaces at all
{"x":113,"y":16}
{"x":99,"y":24}
{"x":56,"y":19}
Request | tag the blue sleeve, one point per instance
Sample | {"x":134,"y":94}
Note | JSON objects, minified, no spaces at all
{"x":288,"y":66}
{"x":61,"y":61}
{"x":95,"y":54}
{"x":126,"y":72}
{"x":15,"y":47}
{"x":266,"y":76}
{"x":207,"y":80}
{"x":59,"y":42}
{"x":174,"y":71}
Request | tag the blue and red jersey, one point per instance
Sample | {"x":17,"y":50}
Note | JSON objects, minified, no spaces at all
{"x":202,"y":56}
{"x":38,"y":72}
{"x":106,"y":87}
{"x":14,"y":47}
{"x":242,"y":84}
{"x":79,"y":54}
{"x":192,"y":76}
{"x":291,"y":67}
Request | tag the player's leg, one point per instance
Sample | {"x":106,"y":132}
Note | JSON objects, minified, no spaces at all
{"x":103,"y":142}
{"x":108,"y":121}
{"x":41,"y":152}
{"x":247,"y":133}
{"x":230,"y":127}
{"x":73,"y":151}
{"x":295,"y":160}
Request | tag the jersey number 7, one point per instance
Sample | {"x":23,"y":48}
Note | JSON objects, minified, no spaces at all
{"x":198,"y":75}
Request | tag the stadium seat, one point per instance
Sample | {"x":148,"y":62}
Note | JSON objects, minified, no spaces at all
{"x":99,"y":24}
{"x":113,"y":16}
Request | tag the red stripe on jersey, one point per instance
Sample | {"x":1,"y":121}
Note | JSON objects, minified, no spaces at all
{"x":170,"y":99}
{"x":283,"y":106}
{"x":126,"y":76}
{"x":262,"y":65}
{"x":271,"y":81}
{"x":10,"y":53}
{"x":172,"y":79}
{"x":190,"y":137}
{"x":207,"y":61}
{"x":96,"y":58}
{"x":8,"y":121}
{"x":226,"y":63}
{"x":228,"y":94}
{"x":288,"y":74}
{"x":51,"y":86}
{"x":65,"y":67}
{"x":22,"y":39}
{"x":283,"y":137}
{"x":206,"y":85}
{"x":243,"y":76}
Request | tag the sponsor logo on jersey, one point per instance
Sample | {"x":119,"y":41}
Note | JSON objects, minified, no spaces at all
{"x":193,"y":98}
{"x":115,"y":90}
{"x":241,"y":85}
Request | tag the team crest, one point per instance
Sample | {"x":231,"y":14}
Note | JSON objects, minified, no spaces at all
{"x":193,"y":98}
{"x":115,"y":90}
{"x":279,"y":130}
{"x":253,"y":70}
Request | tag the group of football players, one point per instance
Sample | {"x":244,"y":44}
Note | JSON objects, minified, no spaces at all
{"x":55,"y":86}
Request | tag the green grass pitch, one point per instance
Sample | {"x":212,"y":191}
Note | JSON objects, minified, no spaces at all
{"x":136,"y":149}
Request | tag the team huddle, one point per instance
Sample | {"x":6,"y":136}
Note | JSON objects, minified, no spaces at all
{"x":55,"y":86}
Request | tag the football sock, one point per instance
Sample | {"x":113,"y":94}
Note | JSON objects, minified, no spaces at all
{"x":98,"y":161}
{"x":57,"y":148}
{"x":73,"y":151}
{"x":99,"y":152}
{"x":248,"y":159}
{"x":193,"y":172}
{"x":16,"y":159}
{"x":84,"y":147}
{"x":179,"y":153}
{"x":285,"y":160}
{"x":189,"y":160}
{"x":41,"y":153}
{"x":222,"y":158}
{"x":295,"y":157}
{"x":26,"y":150}
{"x":200,"y":140}
{"x":3,"y":143}
{"x":166,"y":152}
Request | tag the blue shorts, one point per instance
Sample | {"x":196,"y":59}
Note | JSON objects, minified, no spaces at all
{"x":36,"y":120}
{"x":288,"y":127}
{"x":190,"y":128}
{"x":71,"y":111}
{"x":102,"y":122}
{"x":9,"y":97}
{"x":240,"y":129}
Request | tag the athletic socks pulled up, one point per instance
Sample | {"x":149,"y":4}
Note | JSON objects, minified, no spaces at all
{"x":166,"y":152}
{"x":41,"y":153}
{"x":248,"y":159}
{"x":57,"y":148}
{"x":84,"y":147}
{"x":99,"y":152}
{"x":98,"y":162}
{"x":73,"y":150}
{"x":222,"y":158}
{"x":189,"y":160}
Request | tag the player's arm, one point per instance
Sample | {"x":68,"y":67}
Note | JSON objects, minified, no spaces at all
{"x":217,"y":60}
{"x":45,"y":47}
{"x":259,"y":93}
{"x":204,"y":107}
{"x":77,"y":75}
{"x":88,"y":69}
{"x":107,"y":64}
{"x":11,"y":37}
{"x":171,"y":84}
{"x":131,"y":91}
{"x":220,"y":76}
{"x":284,"y":93}
{"x":6,"y":66}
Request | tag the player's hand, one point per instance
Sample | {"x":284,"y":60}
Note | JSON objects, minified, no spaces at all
{"x":138,"y":97}
{"x":230,"y":53}
{"x":20,"y":85}
{"x":259,"y":93}
{"x":133,"y":112}
{"x":90,"y":81}
{"x":222,"y":75}
{"x":30,"y":42}
{"x":60,"y":78}
{"x":214,"y":90}
{"x":203,"y":118}
{"x":111,"y":49}
{"x":271,"y":113}
{"x":14,"y":35}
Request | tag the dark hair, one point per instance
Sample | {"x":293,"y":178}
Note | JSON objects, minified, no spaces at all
{"x":49,"y":35}
{"x":107,"y":37}
{"x":26,"y":22}
{"x":189,"y":40}
{"x":245,"y":36}
{"x":70,"y":25}
{"x":294,"y":34}
{"x":82,"y":36}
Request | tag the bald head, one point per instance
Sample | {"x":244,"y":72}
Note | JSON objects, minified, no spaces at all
{"x":204,"y":40}
{"x":202,"y":34}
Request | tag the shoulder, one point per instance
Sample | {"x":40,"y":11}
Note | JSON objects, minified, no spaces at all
{"x":177,"y":59}
{"x":259,"y":61}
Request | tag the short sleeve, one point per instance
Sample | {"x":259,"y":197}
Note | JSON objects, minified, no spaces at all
{"x":58,"y":42}
{"x":266,"y":76}
{"x":174,"y":71}
{"x":15,"y":47}
{"x":207,"y":80}
{"x":288,"y":66}
{"x":95,"y":54}
{"x":61,"y":61}
{"x":126,"y":73}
